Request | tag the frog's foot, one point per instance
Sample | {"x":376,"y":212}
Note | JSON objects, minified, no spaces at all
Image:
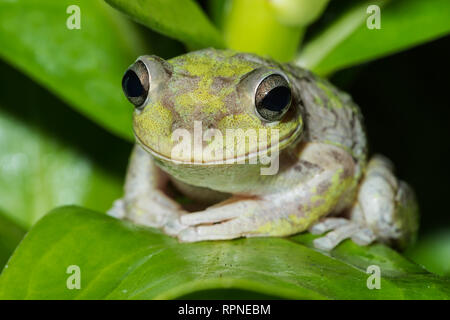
{"x":117,"y":210}
{"x":228,"y":220}
{"x":146,"y":201}
{"x":385,"y":211}
{"x":386,"y":205}
{"x":155,"y":210}
{"x":338,"y":230}
{"x":160,"y":216}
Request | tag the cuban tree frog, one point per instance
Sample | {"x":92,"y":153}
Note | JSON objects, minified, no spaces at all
{"x":319,"y":177}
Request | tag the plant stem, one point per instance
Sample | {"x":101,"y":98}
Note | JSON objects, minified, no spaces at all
{"x":252,"y":26}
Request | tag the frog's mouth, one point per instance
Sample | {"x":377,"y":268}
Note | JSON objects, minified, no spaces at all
{"x":274,"y":149}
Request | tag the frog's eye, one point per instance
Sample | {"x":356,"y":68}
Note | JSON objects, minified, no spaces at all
{"x":273,"y":97}
{"x":136,"y":84}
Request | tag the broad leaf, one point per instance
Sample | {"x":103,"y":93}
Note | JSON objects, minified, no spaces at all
{"x":252,"y":26}
{"x":118,"y":260}
{"x":218,"y":10}
{"x":82,"y":66}
{"x":50,"y":155}
{"x":433,"y":252}
{"x":183,"y":20}
{"x":348,"y":41}
{"x":10,"y":236}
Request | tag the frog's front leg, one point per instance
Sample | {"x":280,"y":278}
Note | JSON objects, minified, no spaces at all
{"x":328,"y":171}
{"x":385,"y":210}
{"x":145,"y":201}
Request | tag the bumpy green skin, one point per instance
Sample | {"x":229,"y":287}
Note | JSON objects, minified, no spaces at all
{"x":321,"y":137}
{"x":205,"y":86}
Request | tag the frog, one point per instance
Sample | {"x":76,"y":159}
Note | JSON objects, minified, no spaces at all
{"x":320,"y":178}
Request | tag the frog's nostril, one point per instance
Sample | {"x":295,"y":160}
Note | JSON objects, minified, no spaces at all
{"x":136,"y":84}
{"x":131,"y":84}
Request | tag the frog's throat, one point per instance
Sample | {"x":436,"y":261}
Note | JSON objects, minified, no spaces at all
{"x":282,"y":144}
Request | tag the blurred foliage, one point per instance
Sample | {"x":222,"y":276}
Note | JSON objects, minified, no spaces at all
{"x":142,"y":263}
{"x":260,"y":32}
{"x":347,"y":41}
{"x":180,"y":19}
{"x":51,"y":155}
{"x":433,"y":251}
{"x":11,"y":234}
{"x":84,"y":67}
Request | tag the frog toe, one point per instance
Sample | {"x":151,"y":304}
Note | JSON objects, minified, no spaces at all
{"x":327,"y":224}
{"x":340,"y":233}
{"x":364,"y":237}
{"x":118,"y":209}
{"x":222,"y":231}
{"x":210,"y":215}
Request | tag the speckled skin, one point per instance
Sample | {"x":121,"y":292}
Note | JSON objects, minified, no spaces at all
{"x":323,"y":168}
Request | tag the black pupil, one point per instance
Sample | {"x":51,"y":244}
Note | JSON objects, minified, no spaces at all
{"x":132,"y":84}
{"x":277,"y":99}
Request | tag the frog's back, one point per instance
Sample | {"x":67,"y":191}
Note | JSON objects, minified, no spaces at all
{"x":329,"y":115}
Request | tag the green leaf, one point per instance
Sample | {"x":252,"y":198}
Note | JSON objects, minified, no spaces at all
{"x":118,"y":260}
{"x":50,"y":155}
{"x":433,"y":252}
{"x":347,"y":40}
{"x":298,"y":12}
{"x":252,"y":26}
{"x":10,"y":236}
{"x":82,"y":66}
{"x":218,"y":11}
{"x":183,"y":20}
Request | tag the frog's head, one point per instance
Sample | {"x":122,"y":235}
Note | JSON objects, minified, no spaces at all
{"x":211,"y":89}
